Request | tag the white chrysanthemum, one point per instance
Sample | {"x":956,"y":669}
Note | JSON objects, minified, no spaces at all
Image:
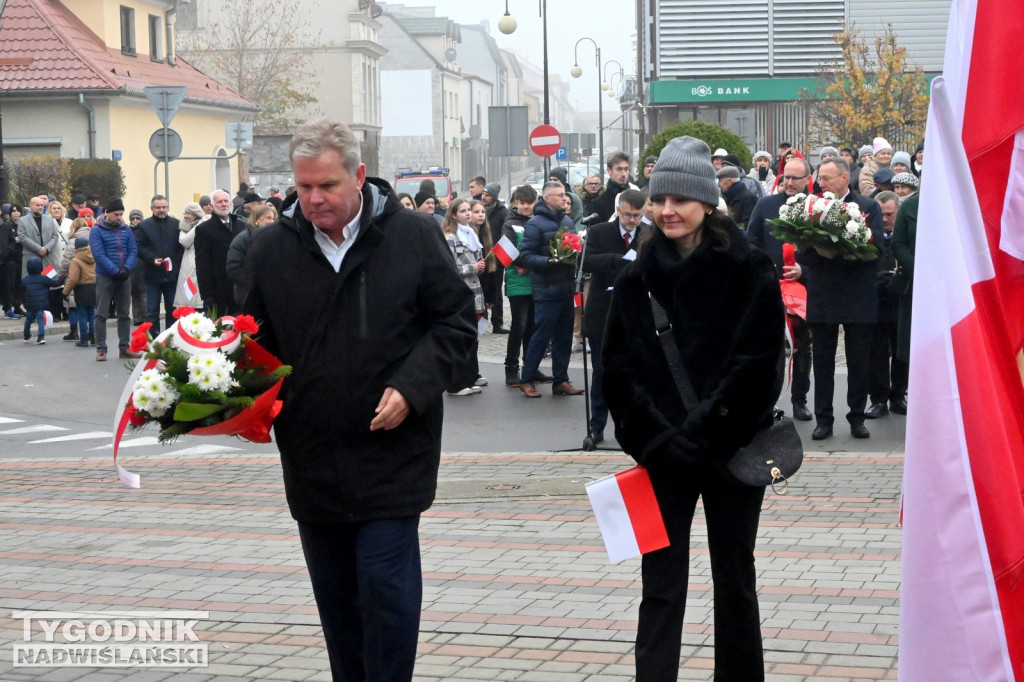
{"x":852,"y":229}
{"x":828,"y":195}
{"x":153,"y":393}
{"x":793,"y":199}
{"x":211,"y":371}
{"x":821,"y":205}
{"x":198,"y":325}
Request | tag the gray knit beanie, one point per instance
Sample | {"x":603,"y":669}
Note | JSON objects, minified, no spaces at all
{"x":684,"y":170}
{"x":901,"y":157}
{"x":829,"y":151}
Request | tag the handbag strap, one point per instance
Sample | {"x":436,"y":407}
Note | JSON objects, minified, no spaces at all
{"x":675,"y":361}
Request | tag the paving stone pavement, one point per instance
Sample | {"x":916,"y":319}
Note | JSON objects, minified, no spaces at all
{"x":517,"y":584}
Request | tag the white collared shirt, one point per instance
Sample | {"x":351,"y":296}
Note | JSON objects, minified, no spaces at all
{"x":335,"y":253}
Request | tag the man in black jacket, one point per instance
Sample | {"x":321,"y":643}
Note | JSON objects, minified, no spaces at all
{"x":213,"y":239}
{"x":759,"y":231}
{"x":738,"y":198}
{"x":553,"y":285}
{"x":496,"y":216}
{"x":363,"y":300}
{"x":610,"y":247}
{"x":842,"y":292}
{"x":160,"y":255}
{"x":618,"y":181}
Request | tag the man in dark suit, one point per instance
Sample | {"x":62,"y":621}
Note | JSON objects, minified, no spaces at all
{"x":610,"y":248}
{"x":213,"y":237}
{"x":759,"y":231}
{"x":842,"y":292}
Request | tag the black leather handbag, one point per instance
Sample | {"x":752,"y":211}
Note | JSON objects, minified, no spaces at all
{"x":772,"y":456}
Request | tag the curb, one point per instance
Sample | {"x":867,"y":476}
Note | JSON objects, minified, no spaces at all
{"x":13,"y":330}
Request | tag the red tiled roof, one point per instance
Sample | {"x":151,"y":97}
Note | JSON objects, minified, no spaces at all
{"x":46,"y":48}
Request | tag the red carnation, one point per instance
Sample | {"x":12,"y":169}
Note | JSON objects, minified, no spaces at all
{"x":134,"y":418}
{"x":182,"y":311}
{"x":245,"y":324}
{"x":138,"y":343}
{"x":142,"y":329}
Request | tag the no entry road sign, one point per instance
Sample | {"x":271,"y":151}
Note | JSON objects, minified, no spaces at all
{"x":545,"y":140}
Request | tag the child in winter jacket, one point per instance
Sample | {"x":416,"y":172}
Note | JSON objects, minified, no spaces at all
{"x":36,"y":288}
{"x":82,"y":280}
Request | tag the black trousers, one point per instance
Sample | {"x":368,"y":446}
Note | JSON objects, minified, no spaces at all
{"x":801,"y":380}
{"x":466,"y":372}
{"x":491,"y":282}
{"x":731,"y":513}
{"x":889,"y":374}
{"x":368,"y":585}
{"x":858,"y":363}
{"x":522,"y":328}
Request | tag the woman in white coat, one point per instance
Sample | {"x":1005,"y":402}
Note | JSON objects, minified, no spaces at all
{"x":190,"y":217}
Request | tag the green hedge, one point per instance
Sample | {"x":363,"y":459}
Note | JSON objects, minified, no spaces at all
{"x":715,"y":137}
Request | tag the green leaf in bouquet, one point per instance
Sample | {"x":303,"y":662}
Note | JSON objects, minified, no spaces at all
{"x":190,"y":412}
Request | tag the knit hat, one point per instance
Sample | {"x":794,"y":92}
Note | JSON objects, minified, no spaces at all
{"x":719,"y":152}
{"x":684,"y":169}
{"x":114,"y":205}
{"x":908,"y":179}
{"x":849,"y":150}
{"x":866,"y":149}
{"x":650,"y":159}
{"x":134,"y":213}
{"x":826,"y":151}
{"x":901,"y":157}
{"x":34,"y":266}
{"x":762,"y":155}
{"x":205,"y":200}
{"x":728,"y":172}
{"x":879,"y":144}
{"x":422,"y":196}
{"x":81,"y":243}
{"x":883,"y":176}
{"x":86,"y":212}
{"x":494,"y":189}
{"x":194,"y":209}
{"x":5,"y":209}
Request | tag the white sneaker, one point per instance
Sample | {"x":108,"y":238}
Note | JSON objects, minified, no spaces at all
{"x":465,"y":391}
{"x":481,"y":381}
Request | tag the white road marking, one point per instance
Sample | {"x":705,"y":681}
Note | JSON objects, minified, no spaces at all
{"x":32,"y":429}
{"x":88,"y":435}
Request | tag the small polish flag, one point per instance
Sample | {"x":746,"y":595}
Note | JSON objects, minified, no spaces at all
{"x":47,"y":319}
{"x":505,"y":251}
{"x":190,"y":288}
{"x":50,"y":272}
{"x":577,"y":300}
{"x":481,"y":326}
{"x":628,"y":514}
{"x":168,"y":266}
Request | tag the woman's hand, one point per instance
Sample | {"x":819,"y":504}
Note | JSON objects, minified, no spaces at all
{"x":480,"y":265}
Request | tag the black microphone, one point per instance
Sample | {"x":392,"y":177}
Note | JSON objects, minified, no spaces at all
{"x":590,"y":218}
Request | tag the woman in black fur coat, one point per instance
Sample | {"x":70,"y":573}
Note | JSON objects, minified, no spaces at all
{"x":722,"y":298}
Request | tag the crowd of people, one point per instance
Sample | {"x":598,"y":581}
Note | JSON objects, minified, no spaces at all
{"x":87,"y":264}
{"x":412,"y":282}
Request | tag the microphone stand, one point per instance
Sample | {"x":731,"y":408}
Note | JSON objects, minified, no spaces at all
{"x":588,"y":442}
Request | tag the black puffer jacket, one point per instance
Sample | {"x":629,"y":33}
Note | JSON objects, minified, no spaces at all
{"x":397,"y":314}
{"x":550,"y":280}
{"x":727,"y":318}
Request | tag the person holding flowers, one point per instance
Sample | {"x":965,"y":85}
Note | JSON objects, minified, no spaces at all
{"x":842,"y":291}
{"x":360,"y":297}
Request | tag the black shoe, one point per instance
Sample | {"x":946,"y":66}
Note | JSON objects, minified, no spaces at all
{"x":898,"y":405}
{"x":499,"y":330}
{"x":71,"y":336}
{"x":801,"y":413}
{"x":598,"y":437}
{"x":540,"y":377}
{"x":512,"y":376}
{"x":859,"y":431}
{"x":83,"y":344}
{"x":821,"y":432}
{"x":875,"y":411}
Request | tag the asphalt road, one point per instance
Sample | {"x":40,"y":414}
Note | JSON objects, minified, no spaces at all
{"x":60,"y":390}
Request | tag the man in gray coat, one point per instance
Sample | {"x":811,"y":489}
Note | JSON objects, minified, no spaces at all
{"x":38,"y":234}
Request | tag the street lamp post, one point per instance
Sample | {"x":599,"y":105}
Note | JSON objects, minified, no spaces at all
{"x":507,"y":25}
{"x":576,"y":72}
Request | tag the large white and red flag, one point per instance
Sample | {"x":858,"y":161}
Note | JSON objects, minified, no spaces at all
{"x":962,"y":600}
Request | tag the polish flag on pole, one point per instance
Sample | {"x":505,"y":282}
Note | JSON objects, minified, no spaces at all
{"x":190,"y":288}
{"x":962,"y":598}
{"x":628,"y":514}
{"x":50,"y":272}
{"x":168,"y":265}
{"x":505,"y":251}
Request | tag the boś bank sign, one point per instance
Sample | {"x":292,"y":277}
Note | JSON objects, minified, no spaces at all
{"x":731,"y":90}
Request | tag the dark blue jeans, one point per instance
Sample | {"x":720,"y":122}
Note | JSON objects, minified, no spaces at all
{"x":37,"y":317}
{"x":86,"y":320}
{"x":154,"y":292}
{"x":554,"y":321}
{"x":368,"y":586}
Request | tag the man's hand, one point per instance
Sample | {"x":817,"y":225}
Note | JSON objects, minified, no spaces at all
{"x":158,"y":261}
{"x":792,"y":272}
{"x":43,"y":251}
{"x":391,"y":410}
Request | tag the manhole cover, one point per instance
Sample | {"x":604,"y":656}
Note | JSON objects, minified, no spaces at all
{"x":502,"y":486}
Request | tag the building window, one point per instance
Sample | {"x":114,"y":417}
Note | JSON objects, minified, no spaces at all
{"x":127,"y":30}
{"x":155,"y":33}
